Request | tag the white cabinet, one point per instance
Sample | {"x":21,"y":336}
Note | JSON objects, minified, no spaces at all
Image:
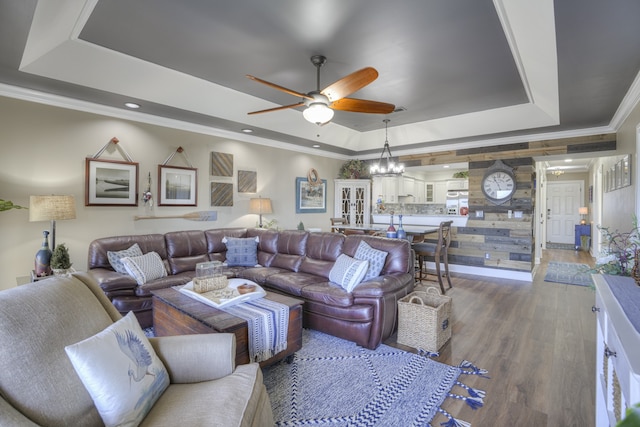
{"x":618,"y":350}
{"x":429,"y":194}
{"x":458,"y":184}
{"x":406,"y":186}
{"x":440,"y":192}
{"x":386,"y":187}
{"x":353,"y":200}
{"x":419,"y":192}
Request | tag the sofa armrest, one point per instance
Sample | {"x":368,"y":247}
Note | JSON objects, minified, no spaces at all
{"x":196,"y":358}
{"x":111,"y":281}
{"x":10,"y":416}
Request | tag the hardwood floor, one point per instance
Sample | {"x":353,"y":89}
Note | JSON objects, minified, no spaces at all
{"x":537,"y":340}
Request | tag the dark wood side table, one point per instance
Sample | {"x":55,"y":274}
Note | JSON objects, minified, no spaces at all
{"x":177,"y":314}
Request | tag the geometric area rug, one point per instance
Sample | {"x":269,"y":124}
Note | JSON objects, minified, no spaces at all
{"x":334,"y":382}
{"x":570,"y":273}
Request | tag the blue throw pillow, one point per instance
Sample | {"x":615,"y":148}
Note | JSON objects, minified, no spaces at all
{"x":348,"y":272}
{"x":241,"y":252}
{"x":375,"y":257}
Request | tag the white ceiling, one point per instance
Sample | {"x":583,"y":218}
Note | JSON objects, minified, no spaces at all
{"x":467,"y":72}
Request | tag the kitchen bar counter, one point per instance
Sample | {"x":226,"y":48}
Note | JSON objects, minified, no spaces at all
{"x":433,"y":220}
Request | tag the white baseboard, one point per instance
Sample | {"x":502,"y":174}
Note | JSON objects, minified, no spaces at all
{"x":487,"y":272}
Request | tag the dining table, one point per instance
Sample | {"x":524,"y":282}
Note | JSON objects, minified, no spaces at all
{"x":378,"y":227}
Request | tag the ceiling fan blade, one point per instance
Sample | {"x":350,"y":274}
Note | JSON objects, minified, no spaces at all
{"x":350,"y":84}
{"x":284,"y":107}
{"x":281,"y":88}
{"x":362,"y":106}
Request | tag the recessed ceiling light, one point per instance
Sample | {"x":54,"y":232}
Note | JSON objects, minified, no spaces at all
{"x":446,"y":166}
{"x":568,"y":160}
{"x":247,"y":130}
{"x":316,"y":145}
{"x":132,"y":105}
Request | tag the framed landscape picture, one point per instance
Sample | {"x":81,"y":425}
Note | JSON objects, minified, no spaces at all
{"x":177,"y":186}
{"x":626,"y":170}
{"x":311,"y":198}
{"x":111,"y":183}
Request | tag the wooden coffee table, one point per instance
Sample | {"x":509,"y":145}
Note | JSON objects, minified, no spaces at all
{"x":174,"y":313}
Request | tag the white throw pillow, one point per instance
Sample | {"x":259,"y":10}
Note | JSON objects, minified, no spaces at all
{"x":121,"y":372}
{"x":144,"y":268}
{"x":348,"y":272}
{"x":115,"y":257}
{"x":375,"y":257}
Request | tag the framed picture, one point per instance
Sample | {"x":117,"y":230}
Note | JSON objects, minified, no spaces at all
{"x":177,"y":186}
{"x":618,"y":175}
{"x":110,"y":183}
{"x":626,"y":170}
{"x":311,"y":198}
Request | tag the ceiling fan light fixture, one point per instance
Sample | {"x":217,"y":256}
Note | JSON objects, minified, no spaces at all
{"x":386,"y":165}
{"x":318,"y":113}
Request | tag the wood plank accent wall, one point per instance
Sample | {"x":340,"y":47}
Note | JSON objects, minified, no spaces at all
{"x":508,"y":242}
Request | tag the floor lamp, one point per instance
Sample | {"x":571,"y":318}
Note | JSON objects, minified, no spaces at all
{"x":260,"y":206}
{"x":52,"y":208}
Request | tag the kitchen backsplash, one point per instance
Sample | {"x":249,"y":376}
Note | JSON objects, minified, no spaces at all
{"x":410,"y":209}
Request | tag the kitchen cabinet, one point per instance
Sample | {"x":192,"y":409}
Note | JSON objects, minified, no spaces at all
{"x":458,"y":184}
{"x":440,"y":192}
{"x":429,"y":192}
{"x":419,"y":191}
{"x":353,"y":200}
{"x":386,"y":187}
{"x":406,"y":186}
{"x":617,"y":347}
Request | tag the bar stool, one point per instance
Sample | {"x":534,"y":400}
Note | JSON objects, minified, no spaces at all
{"x":440,"y":253}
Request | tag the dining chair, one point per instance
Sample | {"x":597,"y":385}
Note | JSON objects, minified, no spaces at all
{"x":336,"y":223}
{"x":440,"y":253}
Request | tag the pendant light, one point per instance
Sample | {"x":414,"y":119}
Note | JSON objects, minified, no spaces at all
{"x":385,"y":165}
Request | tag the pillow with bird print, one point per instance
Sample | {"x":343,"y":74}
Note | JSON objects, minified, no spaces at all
{"x":121,"y":372}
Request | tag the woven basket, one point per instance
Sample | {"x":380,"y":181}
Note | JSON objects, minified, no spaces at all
{"x":206,"y":284}
{"x":423,"y":320}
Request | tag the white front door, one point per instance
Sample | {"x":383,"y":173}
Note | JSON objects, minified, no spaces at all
{"x":563,"y":200}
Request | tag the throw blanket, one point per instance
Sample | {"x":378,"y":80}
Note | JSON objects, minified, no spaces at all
{"x":268,"y":324}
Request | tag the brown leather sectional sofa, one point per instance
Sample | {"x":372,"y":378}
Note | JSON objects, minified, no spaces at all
{"x":296,"y":263}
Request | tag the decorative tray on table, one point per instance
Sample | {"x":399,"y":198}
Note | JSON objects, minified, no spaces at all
{"x":238,"y":291}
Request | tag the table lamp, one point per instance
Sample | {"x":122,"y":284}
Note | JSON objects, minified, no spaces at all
{"x":260,"y":206}
{"x":583,"y":211}
{"x":51,"y":208}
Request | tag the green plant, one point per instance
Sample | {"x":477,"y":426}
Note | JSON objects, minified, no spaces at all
{"x":301,"y":226}
{"x":620,"y":252}
{"x":632,"y":417}
{"x":60,"y":259}
{"x":461,"y":174}
{"x":354,"y":169}
{"x":5,"y":205}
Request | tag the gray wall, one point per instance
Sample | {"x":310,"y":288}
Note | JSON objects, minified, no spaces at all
{"x":44,"y":150}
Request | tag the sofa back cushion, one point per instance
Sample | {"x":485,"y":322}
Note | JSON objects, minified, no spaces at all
{"x":185,"y":249}
{"x":98,"y":249}
{"x":267,"y":246}
{"x":399,"y":252}
{"x":215,"y":246}
{"x":37,"y":321}
{"x":321,"y":253}
{"x":291,"y":249}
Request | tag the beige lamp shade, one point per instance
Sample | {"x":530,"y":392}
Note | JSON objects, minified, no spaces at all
{"x":46,"y":208}
{"x":52,"y":208}
{"x":260,"y":206}
{"x":583,"y":210}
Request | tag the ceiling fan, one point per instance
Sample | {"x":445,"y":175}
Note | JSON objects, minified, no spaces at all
{"x":321,"y":103}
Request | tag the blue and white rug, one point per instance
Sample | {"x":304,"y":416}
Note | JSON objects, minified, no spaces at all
{"x":335,"y":382}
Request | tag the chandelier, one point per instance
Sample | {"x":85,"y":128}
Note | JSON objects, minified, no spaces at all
{"x":557,"y":172}
{"x":385,"y":165}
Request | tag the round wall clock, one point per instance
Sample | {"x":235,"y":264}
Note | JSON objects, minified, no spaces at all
{"x":498,"y":183}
